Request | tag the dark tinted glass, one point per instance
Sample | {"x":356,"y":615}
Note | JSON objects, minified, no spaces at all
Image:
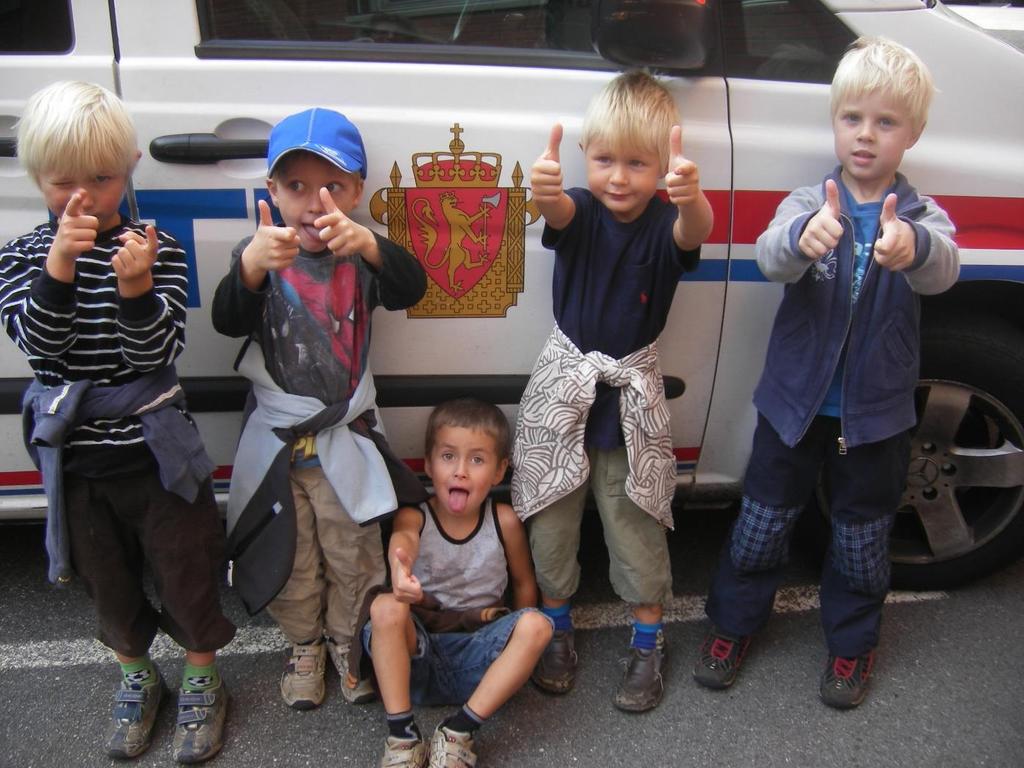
{"x":35,"y":26}
{"x":795,"y":40}
{"x":523,"y":24}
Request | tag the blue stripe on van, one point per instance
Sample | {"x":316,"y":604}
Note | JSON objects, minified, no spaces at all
{"x":175,"y":209}
{"x":746,"y":271}
{"x":992,"y":272}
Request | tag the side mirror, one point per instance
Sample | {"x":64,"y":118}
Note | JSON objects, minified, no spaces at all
{"x":663,"y":34}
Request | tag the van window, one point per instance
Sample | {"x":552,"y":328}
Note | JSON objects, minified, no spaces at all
{"x":419,"y":29}
{"x":795,"y":40}
{"x":35,"y":26}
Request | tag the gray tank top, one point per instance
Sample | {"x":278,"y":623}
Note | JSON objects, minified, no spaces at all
{"x":471,"y":573}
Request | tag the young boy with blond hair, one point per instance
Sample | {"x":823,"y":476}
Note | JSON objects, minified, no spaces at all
{"x":837,"y":391}
{"x":97,"y":303}
{"x":620,"y":251}
{"x":444,"y":635}
{"x":313,"y":473}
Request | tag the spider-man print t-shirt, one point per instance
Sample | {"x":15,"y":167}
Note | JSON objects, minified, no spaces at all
{"x":316,"y":326}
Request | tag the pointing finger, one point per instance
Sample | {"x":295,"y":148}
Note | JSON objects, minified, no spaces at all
{"x":151,"y":239}
{"x":266,"y":220}
{"x":328,"y":202}
{"x":554,"y":143}
{"x":74,"y":206}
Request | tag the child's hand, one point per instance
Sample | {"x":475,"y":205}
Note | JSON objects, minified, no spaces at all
{"x":896,"y":243}
{"x":546,"y":174}
{"x":272,"y":248}
{"x":342,"y":236}
{"x":407,"y":588}
{"x":823,"y":231}
{"x":134,"y":260}
{"x":682,"y":182}
{"x":76,"y":231}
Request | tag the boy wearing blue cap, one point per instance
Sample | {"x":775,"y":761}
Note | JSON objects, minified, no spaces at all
{"x":313,"y":474}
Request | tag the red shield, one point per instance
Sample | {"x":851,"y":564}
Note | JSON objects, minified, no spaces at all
{"x":456,"y":233}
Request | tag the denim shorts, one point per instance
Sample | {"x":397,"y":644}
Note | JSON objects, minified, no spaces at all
{"x":448,"y":667}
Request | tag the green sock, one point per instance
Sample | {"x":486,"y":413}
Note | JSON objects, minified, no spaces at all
{"x":196,"y":679}
{"x":140,"y":673}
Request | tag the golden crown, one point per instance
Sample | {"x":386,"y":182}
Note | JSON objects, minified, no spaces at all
{"x":456,"y":168}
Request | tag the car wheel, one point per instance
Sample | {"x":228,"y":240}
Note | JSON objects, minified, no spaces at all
{"x":962,"y":511}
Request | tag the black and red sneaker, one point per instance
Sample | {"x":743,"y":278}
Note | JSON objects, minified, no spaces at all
{"x":720,"y":658}
{"x":845,"y":681}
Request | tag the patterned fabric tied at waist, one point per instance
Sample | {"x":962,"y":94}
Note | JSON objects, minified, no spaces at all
{"x":549,"y":454}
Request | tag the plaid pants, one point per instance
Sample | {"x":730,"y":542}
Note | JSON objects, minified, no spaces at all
{"x":864,"y":487}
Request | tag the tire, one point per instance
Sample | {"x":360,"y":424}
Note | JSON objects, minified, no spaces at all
{"x":962,"y":512}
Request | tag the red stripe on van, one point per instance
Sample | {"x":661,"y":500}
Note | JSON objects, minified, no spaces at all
{"x":31,"y":477}
{"x":754,"y":209}
{"x":20,"y":478}
{"x":687,"y":454}
{"x":986,"y":222}
{"x":719,"y":199}
{"x":981,"y":222}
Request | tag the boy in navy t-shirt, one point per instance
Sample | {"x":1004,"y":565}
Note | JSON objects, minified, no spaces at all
{"x":594,"y":413}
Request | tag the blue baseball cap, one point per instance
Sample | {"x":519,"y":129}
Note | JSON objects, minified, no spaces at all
{"x":323,"y":132}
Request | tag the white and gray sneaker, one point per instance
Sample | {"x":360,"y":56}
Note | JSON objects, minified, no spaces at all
{"x":354,"y":691}
{"x":302,"y":682}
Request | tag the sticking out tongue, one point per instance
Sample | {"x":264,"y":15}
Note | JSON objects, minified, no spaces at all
{"x":457,"y":499}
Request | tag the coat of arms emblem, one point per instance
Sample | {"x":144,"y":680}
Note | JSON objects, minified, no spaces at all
{"x":468,"y":232}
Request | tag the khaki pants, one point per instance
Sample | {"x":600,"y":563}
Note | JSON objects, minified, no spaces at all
{"x":639,"y":566}
{"x":336,"y":563}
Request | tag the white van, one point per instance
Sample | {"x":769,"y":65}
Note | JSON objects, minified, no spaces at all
{"x":455,"y":99}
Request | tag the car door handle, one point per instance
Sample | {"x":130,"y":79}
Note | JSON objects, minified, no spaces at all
{"x":8,"y":147}
{"x":202,"y":148}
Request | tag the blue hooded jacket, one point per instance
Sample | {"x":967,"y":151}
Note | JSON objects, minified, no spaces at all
{"x":818,"y":315}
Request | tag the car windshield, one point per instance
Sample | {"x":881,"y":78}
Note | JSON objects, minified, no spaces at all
{"x":1003,"y":20}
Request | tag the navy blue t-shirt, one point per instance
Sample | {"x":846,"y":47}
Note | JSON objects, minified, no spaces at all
{"x":613,"y":287}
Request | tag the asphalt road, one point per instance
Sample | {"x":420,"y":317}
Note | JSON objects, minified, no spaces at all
{"x":947,"y":690}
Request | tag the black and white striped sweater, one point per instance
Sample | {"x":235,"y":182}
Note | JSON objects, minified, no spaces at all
{"x":85,"y":330}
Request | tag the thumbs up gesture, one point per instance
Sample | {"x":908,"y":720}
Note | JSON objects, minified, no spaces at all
{"x":824,"y":229}
{"x":134,"y":260}
{"x":682,"y":182}
{"x":76,"y":231}
{"x":546,"y":173}
{"x":897,"y":242}
{"x":407,"y":588}
{"x":344,"y":237}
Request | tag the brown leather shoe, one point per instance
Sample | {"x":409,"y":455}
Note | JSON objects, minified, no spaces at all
{"x":556,"y":670}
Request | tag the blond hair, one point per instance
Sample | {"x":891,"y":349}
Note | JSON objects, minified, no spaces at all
{"x":635,"y":110}
{"x":76,"y":128}
{"x":878,"y":65}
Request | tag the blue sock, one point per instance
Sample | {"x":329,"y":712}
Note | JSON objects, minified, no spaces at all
{"x":645,"y":636}
{"x":561,"y":616}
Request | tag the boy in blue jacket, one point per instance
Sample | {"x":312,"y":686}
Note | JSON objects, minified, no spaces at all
{"x":838,"y":384}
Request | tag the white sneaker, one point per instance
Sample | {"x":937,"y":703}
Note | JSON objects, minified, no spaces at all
{"x":302,"y":682}
{"x":408,"y":753}
{"x":355,"y":691}
{"x":451,"y":749}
